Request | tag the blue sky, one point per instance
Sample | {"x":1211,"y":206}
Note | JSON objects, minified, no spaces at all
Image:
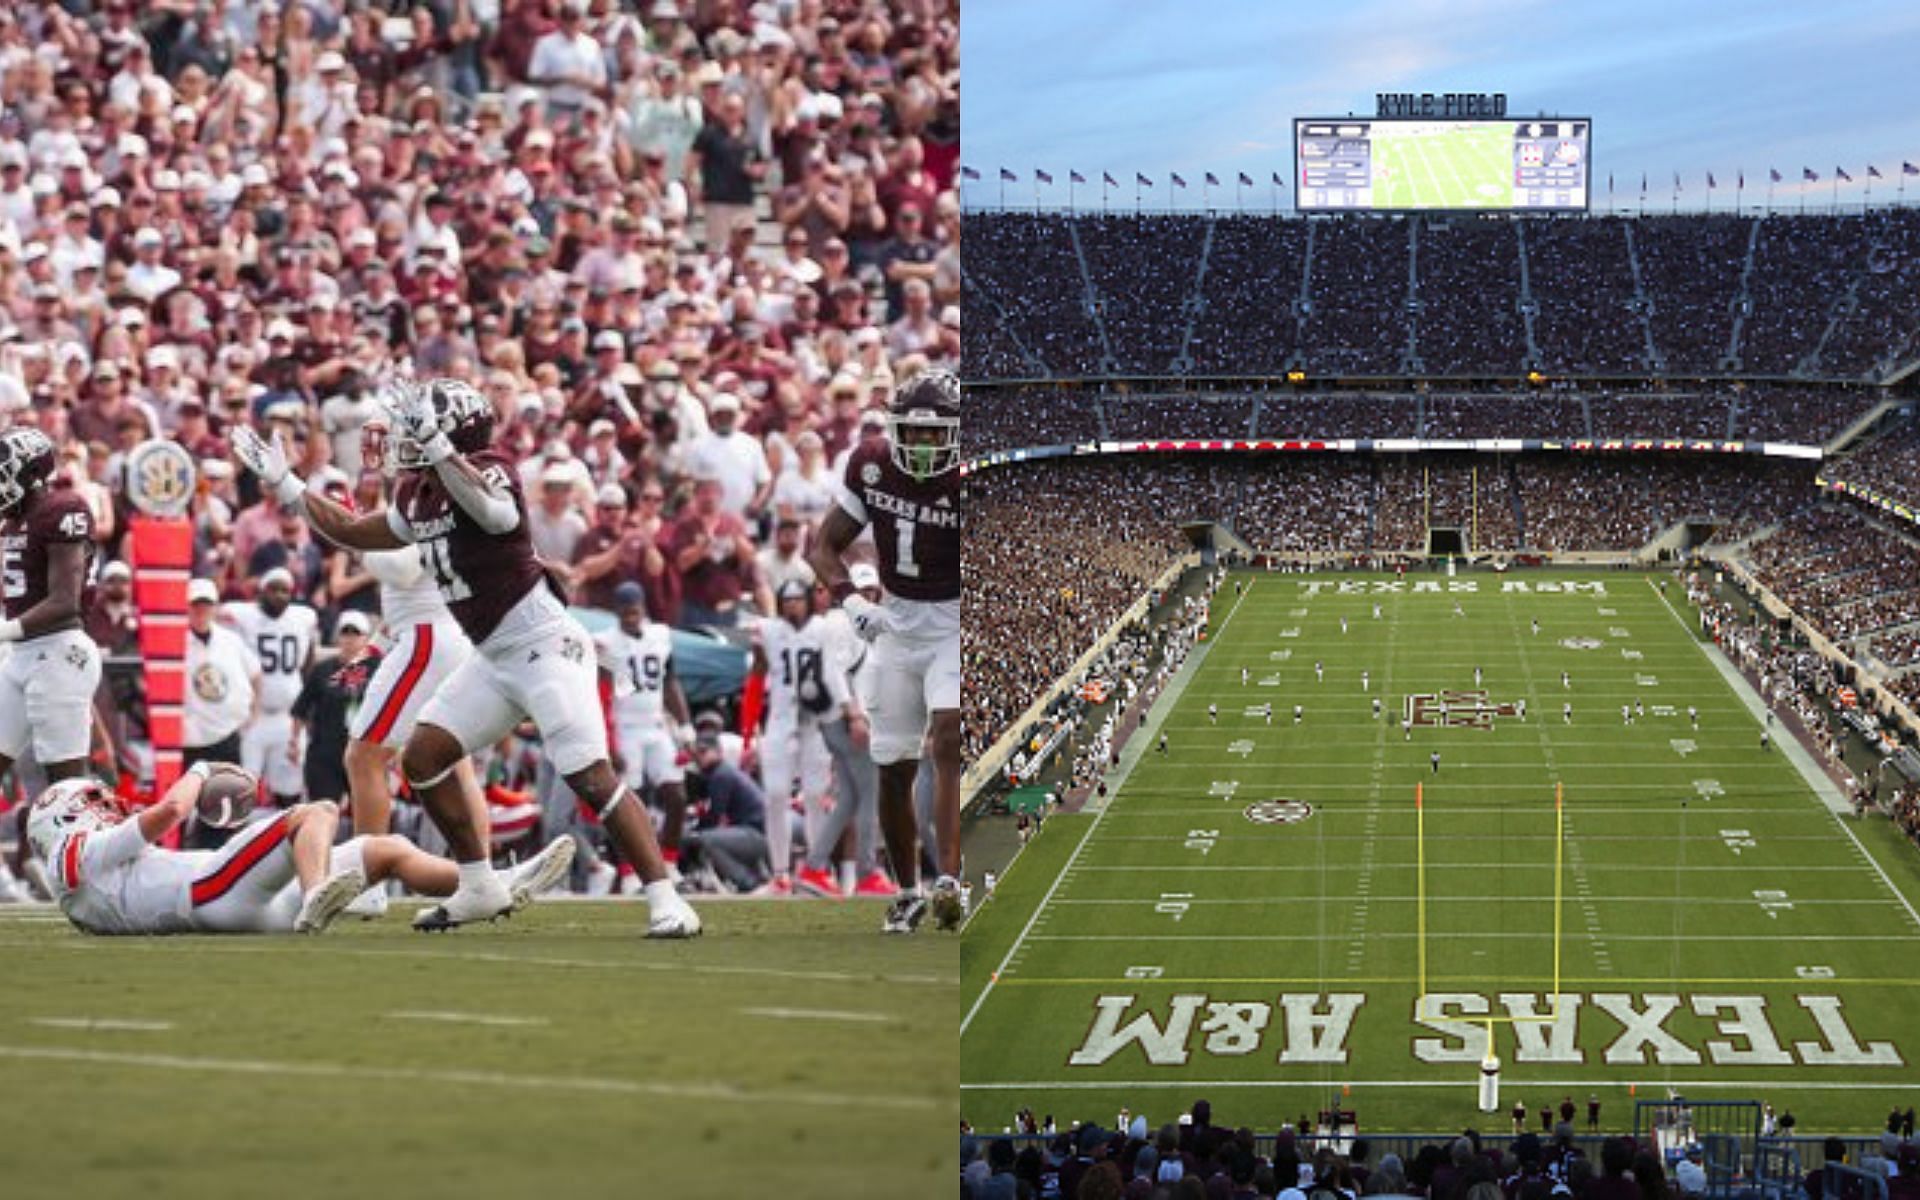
{"x":1691,"y":85}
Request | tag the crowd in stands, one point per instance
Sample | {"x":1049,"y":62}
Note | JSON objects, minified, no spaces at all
{"x":676,"y":245}
{"x":1033,"y":416}
{"x":1053,"y":555}
{"x":1199,"y":1157}
{"x":1844,"y":571}
{"x":1712,"y":294}
{"x":1888,"y":465}
{"x":1062,"y":547}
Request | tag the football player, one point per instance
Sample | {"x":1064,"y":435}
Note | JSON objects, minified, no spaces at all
{"x":282,"y":636}
{"x":48,"y":679}
{"x":906,"y":487}
{"x":282,"y":875}
{"x":651,"y":722}
{"x":461,"y":504}
{"x":421,"y":646}
{"x":803,"y":691}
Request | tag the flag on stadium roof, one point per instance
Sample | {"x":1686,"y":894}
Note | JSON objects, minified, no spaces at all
{"x":1075,"y":177}
{"x":1142,"y":179}
{"x":1107,"y":178}
{"x":1177,"y":181}
{"x":1008,"y":176}
{"x":1676,"y":181}
{"x":969,"y":173}
{"x":1907,"y":168}
{"x":1245,"y":180}
{"x":1843,"y":176}
{"x":1042,"y":176}
{"x":1278,"y":182}
{"x":1710,"y":183}
{"x":1643,"y":183}
{"x":1609,"y":183}
{"x":1742,"y":180}
{"x":1775,"y":174}
{"x":1873,"y":172}
{"x":1809,"y":174}
{"x":1212,"y":180}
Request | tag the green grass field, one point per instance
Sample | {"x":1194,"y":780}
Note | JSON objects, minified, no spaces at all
{"x":1444,"y":168}
{"x":792,"y":1050}
{"x":1722,"y":930}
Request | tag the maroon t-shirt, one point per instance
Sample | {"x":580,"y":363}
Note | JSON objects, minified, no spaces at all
{"x":59,"y":515}
{"x":481,"y":575}
{"x":916,"y":523}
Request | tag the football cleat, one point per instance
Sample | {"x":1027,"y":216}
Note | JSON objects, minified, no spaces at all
{"x":601,"y":878}
{"x":369,"y":905}
{"x":779,"y":885}
{"x":469,"y":906}
{"x":673,"y":918}
{"x":876,"y":883}
{"x":949,"y":903}
{"x":817,"y":882}
{"x":328,"y":900}
{"x":543,"y":871}
{"x":905,"y":913}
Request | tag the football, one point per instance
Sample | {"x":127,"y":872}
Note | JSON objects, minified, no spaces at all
{"x":227,"y":796}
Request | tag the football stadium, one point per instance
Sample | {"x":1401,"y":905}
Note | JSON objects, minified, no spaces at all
{"x":1441,"y":670}
{"x":479,"y":534}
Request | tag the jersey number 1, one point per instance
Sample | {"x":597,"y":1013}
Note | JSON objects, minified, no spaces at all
{"x":903,"y":543}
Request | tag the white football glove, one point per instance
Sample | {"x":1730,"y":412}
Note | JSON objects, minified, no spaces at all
{"x":419,"y":424}
{"x":269,"y":462}
{"x":870,"y":620}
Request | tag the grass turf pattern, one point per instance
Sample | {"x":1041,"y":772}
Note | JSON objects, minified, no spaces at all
{"x":793,"y":1048}
{"x":1724,"y":932}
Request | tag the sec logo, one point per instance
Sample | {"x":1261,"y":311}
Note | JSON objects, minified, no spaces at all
{"x":1582,"y":643}
{"x":160,"y":477}
{"x":870,"y":474}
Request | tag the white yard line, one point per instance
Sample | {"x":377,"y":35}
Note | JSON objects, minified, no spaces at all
{"x":1128,"y":1085}
{"x":1637,"y":868}
{"x":94,"y":1024}
{"x":817,"y":1014}
{"x":1823,"y":787}
{"x":1663,"y":938}
{"x":1085,"y":837}
{"x":460,"y":1018}
{"x":513,"y":1081}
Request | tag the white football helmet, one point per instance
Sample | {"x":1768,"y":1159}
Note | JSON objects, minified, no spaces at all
{"x":67,"y":806}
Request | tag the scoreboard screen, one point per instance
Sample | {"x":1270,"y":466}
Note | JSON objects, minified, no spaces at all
{"x":1365,"y":164}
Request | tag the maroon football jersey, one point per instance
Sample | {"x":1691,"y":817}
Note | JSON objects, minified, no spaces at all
{"x":916,"y":523}
{"x":60,"y":515}
{"x":481,"y":575}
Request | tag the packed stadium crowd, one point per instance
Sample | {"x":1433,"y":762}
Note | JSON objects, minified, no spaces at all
{"x":1063,"y":558}
{"x":1888,"y":465}
{"x":1035,"y":416}
{"x":686,"y":252}
{"x":1843,"y":570}
{"x":1199,"y":1158}
{"x":1070,"y":297}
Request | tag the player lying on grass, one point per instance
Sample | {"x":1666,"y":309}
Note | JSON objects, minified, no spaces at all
{"x":281,"y":875}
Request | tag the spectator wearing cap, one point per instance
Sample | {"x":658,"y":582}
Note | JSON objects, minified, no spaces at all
{"x":730,"y":833}
{"x":911,"y":254}
{"x":330,"y":690}
{"x":555,"y":522}
{"x":602,"y":457}
{"x":662,"y":119}
{"x":714,"y":556}
{"x":723,"y":167}
{"x":222,"y":683}
{"x":782,"y":561}
{"x":735,"y":458}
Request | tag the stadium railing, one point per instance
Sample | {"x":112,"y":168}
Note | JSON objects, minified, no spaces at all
{"x":988,"y":765}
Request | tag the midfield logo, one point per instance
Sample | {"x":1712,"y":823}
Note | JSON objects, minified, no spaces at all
{"x":1466,"y":710}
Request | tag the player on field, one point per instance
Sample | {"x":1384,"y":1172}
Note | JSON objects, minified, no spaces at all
{"x":1343,"y":624}
{"x":907,"y":489}
{"x":1243,"y":677}
{"x":652,"y":725}
{"x":1476,"y":677}
{"x":803,"y":691}
{"x":1376,"y":612}
{"x":1162,"y":747}
{"x":1319,"y":673}
{"x":282,"y":875}
{"x":1296,"y":714}
{"x":281,"y":635}
{"x":1376,"y":708}
{"x":1566,"y":713}
{"x":1626,"y":714}
{"x":48,"y":679}
{"x":1434,"y":760}
{"x":1639,"y":708}
{"x":462,"y":505}
{"x":1213,"y":714}
{"x":1366,"y":681}
{"x":1693,"y":715}
{"x":1566,"y":680}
